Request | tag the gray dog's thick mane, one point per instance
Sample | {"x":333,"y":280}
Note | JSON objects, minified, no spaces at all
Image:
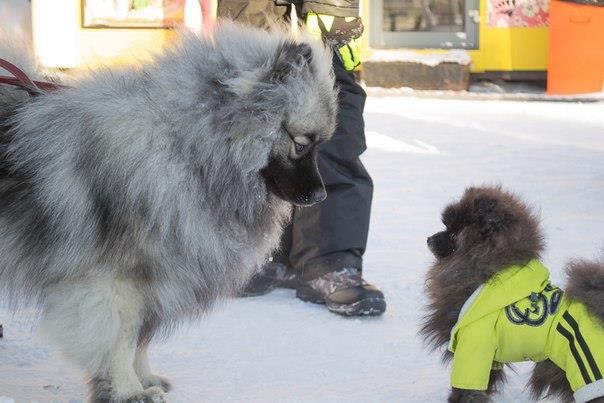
{"x":153,"y":169}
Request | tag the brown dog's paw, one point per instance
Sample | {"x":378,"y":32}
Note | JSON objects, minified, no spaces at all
{"x":468,"y":396}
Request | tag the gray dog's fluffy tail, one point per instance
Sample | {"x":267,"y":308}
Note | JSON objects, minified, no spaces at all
{"x":586,"y":285}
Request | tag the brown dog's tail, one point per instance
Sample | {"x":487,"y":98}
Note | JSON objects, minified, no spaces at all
{"x":586,"y":285}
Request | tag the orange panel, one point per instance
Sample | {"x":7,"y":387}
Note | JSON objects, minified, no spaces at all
{"x":576,"y":48}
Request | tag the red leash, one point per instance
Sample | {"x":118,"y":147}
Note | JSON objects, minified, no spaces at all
{"x":20,"y":79}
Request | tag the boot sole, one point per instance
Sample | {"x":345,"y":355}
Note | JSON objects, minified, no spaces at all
{"x":364,"y":307}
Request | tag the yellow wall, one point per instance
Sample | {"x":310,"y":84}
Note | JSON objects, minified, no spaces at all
{"x":509,"y":49}
{"x":500,"y":49}
{"x":60,"y":41}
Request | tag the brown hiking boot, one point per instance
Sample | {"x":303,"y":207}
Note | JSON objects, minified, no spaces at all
{"x":344,"y":292}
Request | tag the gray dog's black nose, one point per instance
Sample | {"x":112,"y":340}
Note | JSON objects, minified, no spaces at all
{"x":318,"y":195}
{"x":430,"y":241}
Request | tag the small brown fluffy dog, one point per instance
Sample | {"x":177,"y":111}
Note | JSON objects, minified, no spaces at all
{"x":487,"y":231}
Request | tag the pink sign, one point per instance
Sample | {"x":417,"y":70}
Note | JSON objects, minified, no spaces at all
{"x":517,"y":13}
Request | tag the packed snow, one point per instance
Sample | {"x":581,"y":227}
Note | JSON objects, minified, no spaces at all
{"x":422,"y":154}
{"x":458,"y":56}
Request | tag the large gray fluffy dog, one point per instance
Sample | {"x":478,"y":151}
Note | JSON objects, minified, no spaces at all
{"x":139,"y":196}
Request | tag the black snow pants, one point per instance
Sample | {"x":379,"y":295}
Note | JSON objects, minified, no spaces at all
{"x":332,"y":234}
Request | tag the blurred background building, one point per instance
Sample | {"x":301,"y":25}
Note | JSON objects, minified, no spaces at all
{"x":424,"y":44}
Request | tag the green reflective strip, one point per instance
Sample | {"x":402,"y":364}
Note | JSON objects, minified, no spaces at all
{"x":317,"y":24}
{"x":350,"y":57}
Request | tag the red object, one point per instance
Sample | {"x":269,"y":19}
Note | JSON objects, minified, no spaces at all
{"x":20,"y":79}
{"x":206,"y":14}
{"x":576,"y":48}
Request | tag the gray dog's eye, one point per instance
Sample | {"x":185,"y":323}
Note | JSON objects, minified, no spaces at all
{"x":300,"y":148}
{"x":300,"y":143}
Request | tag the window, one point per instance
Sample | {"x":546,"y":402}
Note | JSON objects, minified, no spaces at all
{"x":424,"y":23}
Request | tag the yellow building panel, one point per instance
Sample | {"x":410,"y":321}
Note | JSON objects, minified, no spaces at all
{"x":500,"y":49}
{"x":509,"y":49}
{"x":61,"y":42}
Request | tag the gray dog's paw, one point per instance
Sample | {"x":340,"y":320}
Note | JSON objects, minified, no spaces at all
{"x":157,"y":380}
{"x":153,"y":394}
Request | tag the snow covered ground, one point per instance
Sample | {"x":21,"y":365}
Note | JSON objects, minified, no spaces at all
{"x":422,"y":153}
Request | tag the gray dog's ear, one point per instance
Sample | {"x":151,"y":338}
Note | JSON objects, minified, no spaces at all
{"x":290,"y":57}
{"x":489,"y":213}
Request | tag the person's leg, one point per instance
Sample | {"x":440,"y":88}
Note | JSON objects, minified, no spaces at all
{"x":330,"y":235}
{"x":329,"y":239}
{"x":333,"y":234}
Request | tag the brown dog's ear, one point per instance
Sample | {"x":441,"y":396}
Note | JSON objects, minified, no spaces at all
{"x":449,"y":216}
{"x":290,"y":57}
{"x":490,"y":215}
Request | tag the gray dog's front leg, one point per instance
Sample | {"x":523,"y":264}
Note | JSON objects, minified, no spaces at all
{"x":143,"y":371}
